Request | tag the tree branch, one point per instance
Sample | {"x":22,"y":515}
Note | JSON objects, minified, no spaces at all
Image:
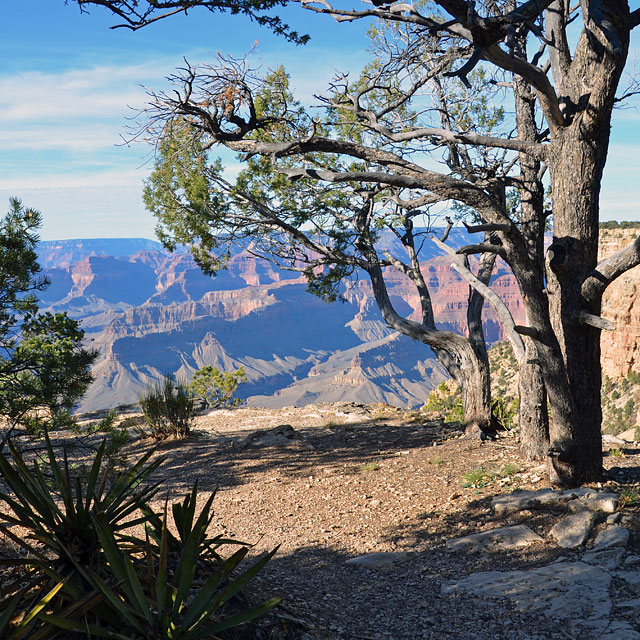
{"x":598,"y":322}
{"x":534,"y":149}
{"x":488,"y":294}
{"x":477,"y":228}
{"x":609,"y":269}
{"x":470,"y":249}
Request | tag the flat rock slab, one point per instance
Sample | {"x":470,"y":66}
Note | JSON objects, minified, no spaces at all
{"x":520,"y":500}
{"x":502,"y":538}
{"x":608,"y":559}
{"x":604,"y":502}
{"x":619,"y":630}
{"x":378,"y":560}
{"x":576,"y":593}
{"x":581,"y":499}
{"x":630,"y":577}
{"x":615,"y":536}
{"x":573,"y":531}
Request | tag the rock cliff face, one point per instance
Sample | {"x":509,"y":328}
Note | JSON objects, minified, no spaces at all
{"x":149,"y":312}
{"x":621,"y":305}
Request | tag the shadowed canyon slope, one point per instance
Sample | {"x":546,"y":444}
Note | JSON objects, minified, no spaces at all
{"x":150,"y":312}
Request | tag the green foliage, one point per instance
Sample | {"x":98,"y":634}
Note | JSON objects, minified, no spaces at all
{"x":479,"y":478}
{"x":445,"y":401}
{"x":505,"y":411}
{"x":370,"y":466}
{"x":80,"y":571}
{"x":216,"y":388}
{"x":629,"y":497}
{"x":44,"y":370}
{"x":139,"y":13}
{"x":168,"y":409}
{"x":70,"y":525}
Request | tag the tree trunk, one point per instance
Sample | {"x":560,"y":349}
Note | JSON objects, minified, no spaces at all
{"x":576,"y":165}
{"x":533,"y":413}
{"x":472,"y":375}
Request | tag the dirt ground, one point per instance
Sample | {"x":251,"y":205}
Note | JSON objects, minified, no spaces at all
{"x":337,"y":481}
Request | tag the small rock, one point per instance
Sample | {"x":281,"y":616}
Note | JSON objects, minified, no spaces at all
{"x":615,"y":536}
{"x":606,"y":502}
{"x":619,"y":630}
{"x":607,"y":559}
{"x":633,"y":559}
{"x":613,"y":518}
{"x":630,"y":577}
{"x":502,"y":538}
{"x":573,"y":531}
{"x":378,"y":560}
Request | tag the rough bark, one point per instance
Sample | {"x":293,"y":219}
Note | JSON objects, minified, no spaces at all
{"x":576,"y":166}
{"x":534,"y":416}
{"x":533,"y":413}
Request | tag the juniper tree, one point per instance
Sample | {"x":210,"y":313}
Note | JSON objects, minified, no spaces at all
{"x":564,"y":90}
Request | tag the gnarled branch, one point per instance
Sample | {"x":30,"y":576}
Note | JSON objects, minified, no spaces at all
{"x":488,"y":294}
{"x":471,"y":249}
{"x":488,"y":228}
{"x":609,"y":269}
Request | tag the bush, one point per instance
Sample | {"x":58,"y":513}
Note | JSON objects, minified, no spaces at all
{"x":80,"y":572}
{"x":216,"y":388}
{"x":447,"y":402}
{"x":168,"y":409}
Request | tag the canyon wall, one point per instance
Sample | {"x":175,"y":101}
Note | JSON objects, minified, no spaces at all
{"x":150,"y":312}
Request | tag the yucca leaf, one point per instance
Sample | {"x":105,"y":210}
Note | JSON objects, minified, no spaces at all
{"x":237,"y":619}
{"x":94,"y":474}
{"x":41,"y":605}
{"x":7,"y":615}
{"x":241,"y":581}
{"x":24,"y":544}
{"x":123,"y":570}
{"x":198,"y":608}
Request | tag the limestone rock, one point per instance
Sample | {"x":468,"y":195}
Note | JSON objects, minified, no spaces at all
{"x":520,"y":500}
{"x":502,"y":538}
{"x":608,"y":559}
{"x":597,"y":501}
{"x":630,"y":577}
{"x":573,"y":530}
{"x":378,"y":560}
{"x":619,"y":630}
{"x":615,"y":536}
{"x":575,"y":593}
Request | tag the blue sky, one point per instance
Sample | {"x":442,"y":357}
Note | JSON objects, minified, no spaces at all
{"x":68,"y":83}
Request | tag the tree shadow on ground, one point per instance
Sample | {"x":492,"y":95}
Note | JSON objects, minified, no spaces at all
{"x":227,"y":460}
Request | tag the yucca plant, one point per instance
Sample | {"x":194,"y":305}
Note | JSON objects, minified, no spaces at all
{"x":81,"y":573}
{"x":154,"y":600}
{"x":185,"y":522}
{"x":59,"y":511}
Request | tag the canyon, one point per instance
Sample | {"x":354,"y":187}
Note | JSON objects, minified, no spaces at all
{"x":150,"y":312}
